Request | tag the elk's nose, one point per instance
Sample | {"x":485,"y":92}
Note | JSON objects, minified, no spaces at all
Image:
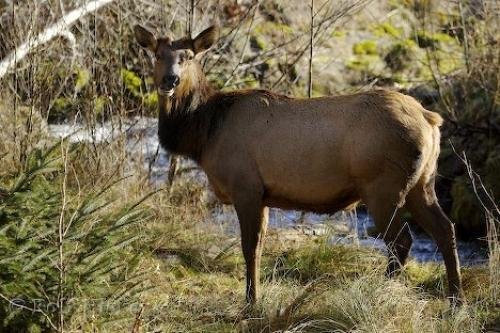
{"x":171,"y":81}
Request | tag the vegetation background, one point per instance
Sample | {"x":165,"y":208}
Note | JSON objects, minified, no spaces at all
{"x":90,"y":241}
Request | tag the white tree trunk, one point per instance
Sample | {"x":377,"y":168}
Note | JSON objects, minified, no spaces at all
{"x":58,"y":28}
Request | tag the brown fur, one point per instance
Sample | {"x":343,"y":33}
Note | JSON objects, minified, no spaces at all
{"x":260,"y":149}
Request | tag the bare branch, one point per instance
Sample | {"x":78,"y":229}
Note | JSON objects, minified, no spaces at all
{"x":57,"y":29}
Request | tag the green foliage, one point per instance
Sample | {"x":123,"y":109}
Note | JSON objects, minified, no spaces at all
{"x":93,"y":262}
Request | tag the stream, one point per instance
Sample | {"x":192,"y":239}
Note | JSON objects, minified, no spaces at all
{"x":341,"y":228}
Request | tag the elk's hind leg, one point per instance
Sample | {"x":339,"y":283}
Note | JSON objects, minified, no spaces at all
{"x":383,"y":207}
{"x":423,"y":205}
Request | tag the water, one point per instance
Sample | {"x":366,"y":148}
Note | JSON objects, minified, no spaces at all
{"x":142,"y":141}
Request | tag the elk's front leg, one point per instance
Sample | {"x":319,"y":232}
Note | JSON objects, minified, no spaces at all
{"x":253,"y":223}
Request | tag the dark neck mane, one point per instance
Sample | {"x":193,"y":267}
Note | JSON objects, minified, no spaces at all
{"x":190,"y":118}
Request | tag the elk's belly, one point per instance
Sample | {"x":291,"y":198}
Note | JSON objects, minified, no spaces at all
{"x":346,"y":200}
{"x":308,"y":191}
{"x":318,"y":193}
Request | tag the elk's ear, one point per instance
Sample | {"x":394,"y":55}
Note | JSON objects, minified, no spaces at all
{"x":205,"y":39}
{"x":145,"y":38}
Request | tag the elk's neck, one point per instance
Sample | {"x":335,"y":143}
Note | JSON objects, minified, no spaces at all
{"x":187,"y":119}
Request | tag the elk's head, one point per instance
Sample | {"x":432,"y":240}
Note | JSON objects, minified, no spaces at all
{"x":172,"y":57}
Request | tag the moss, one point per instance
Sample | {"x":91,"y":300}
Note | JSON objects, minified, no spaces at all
{"x":362,"y":63}
{"x":385,"y":29}
{"x":99,"y":105}
{"x":366,"y":47}
{"x":397,"y":4}
{"x":82,"y":78}
{"x":62,"y":108}
{"x":448,"y":64}
{"x":268,"y":28}
{"x":249,"y":81}
{"x":131,"y":81}
{"x":429,"y":277}
{"x":134,"y":85}
{"x":151,"y":100}
{"x":398,"y":78}
{"x":357,"y":64}
{"x":319,"y":90}
{"x":426,"y":39}
{"x":149,"y":81}
{"x":443,"y":38}
{"x":257,"y":43}
{"x":216,"y":79}
{"x":338,"y":33}
{"x":62,"y":103}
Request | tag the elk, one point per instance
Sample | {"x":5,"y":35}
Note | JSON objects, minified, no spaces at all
{"x":260,"y":149}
